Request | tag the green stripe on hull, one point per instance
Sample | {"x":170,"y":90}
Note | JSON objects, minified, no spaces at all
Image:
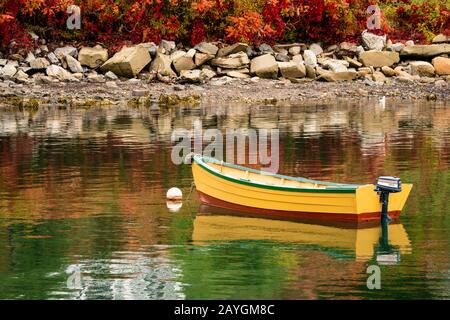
{"x":335,"y":187}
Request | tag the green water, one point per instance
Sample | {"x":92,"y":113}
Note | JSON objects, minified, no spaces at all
{"x":85,"y":190}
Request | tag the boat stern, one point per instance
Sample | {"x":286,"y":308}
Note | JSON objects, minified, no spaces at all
{"x":368,"y":200}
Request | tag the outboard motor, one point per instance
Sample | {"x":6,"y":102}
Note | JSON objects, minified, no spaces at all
{"x":384,"y":186}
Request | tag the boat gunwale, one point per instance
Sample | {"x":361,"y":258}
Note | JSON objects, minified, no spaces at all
{"x":334,"y":187}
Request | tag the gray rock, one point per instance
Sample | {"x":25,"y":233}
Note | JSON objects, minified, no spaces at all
{"x":265,"y":48}
{"x":353,"y":62}
{"x":57,"y":72}
{"x":316,"y":48}
{"x":151,"y":47}
{"x":379,"y":77}
{"x":292,"y":69}
{"x":441,"y":65}
{"x":388,"y":71}
{"x":8,"y":71}
{"x":207,"y":48}
{"x":310,"y":72}
{"x":111,"y":84}
{"x":93,"y":57}
{"x":111,"y":76}
{"x":96,"y":78}
{"x":297,"y":58}
{"x":192,"y":75}
{"x":208,"y":73}
{"x":162,"y":65}
{"x":39,"y":64}
{"x":422,"y":68}
{"x":184,"y":62}
{"x":441,"y":83}
{"x":264,"y":66}
{"x":337,"y":76}
{"x":21,"y":76}
{"x":3,"y":62}
{"x":379,"y":59}
{"x":372,"y":41}
{"x":64,"y":51}
{"x":282,"y":57}
{"x":73,"y":64}
{"x":293,"y":51}
{"x":397,"y":47}
{"x":167,"y":47}
{"x":336,"y":66}
{"x":235,"y":48}
{"x":409,"y":43}
{"x":52,"y":57}
{"x":233,"y":61}
{"x":237,"y":74}
{"x":30,"y":57}
{"x":310,"y":58}
{"x":201,"y":58}
{"x":222,"y":81}
{"x":441,"y":38}
{"x":128,"y":62}
{"x":426,"y":51}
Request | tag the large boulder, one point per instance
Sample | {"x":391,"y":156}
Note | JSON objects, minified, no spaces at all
{"x":372,"y":41}
{"x":73,"y":64}
{"x":233,"y":61}
{"x":441,"y":65}
{"x":316,"y":48}
{"x":185,"y":61}
{"x":235,"y":48}
{"x":192,"y":75}
{"x":39,"y":64}
{"x":162,"y":64}
{"x":264,"y":66}
{"x":92,"y":57}
{"x":64,"y":51}
{"x":337,"y":76}
{"x":201,"y":58}
{"x":426,"y":51}
{"x":422,"y":68}
{"x":207,"y":48}
{"x":292,"y":69}
{"x":58,"y":72}
{"x":8,"y":71}
{"x":441,"y":38}
{"x":128,"y":62}
{"x":379,"y":59}
{"x":310,"y":58}
{"x":166,"y":46}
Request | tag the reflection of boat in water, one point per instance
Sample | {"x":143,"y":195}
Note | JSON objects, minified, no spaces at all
{"x":235,"y":187}
{"x":212,"y":225}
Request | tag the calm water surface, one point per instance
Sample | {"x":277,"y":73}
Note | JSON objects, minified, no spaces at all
{"x":82,"y":197}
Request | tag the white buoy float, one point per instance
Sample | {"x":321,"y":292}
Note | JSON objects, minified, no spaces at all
{"x":174,"y":194}
{"x":174,"y":206}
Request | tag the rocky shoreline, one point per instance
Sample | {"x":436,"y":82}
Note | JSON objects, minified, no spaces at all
{"x":216,"y":73}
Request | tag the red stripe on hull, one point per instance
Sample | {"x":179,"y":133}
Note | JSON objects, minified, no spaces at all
{"x":358,"y":218}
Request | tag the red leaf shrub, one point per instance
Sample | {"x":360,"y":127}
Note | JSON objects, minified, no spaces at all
{"x":115,"y":22}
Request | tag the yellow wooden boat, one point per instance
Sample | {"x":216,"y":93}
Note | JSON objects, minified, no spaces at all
{"x":362,"y":242}
{"x":234,"y":187}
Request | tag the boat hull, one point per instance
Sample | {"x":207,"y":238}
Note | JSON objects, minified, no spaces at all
{"x":313,"y":216}
{"x":355,"y":203}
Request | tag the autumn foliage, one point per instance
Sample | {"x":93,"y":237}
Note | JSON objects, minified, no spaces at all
{"x":115,"y":22}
